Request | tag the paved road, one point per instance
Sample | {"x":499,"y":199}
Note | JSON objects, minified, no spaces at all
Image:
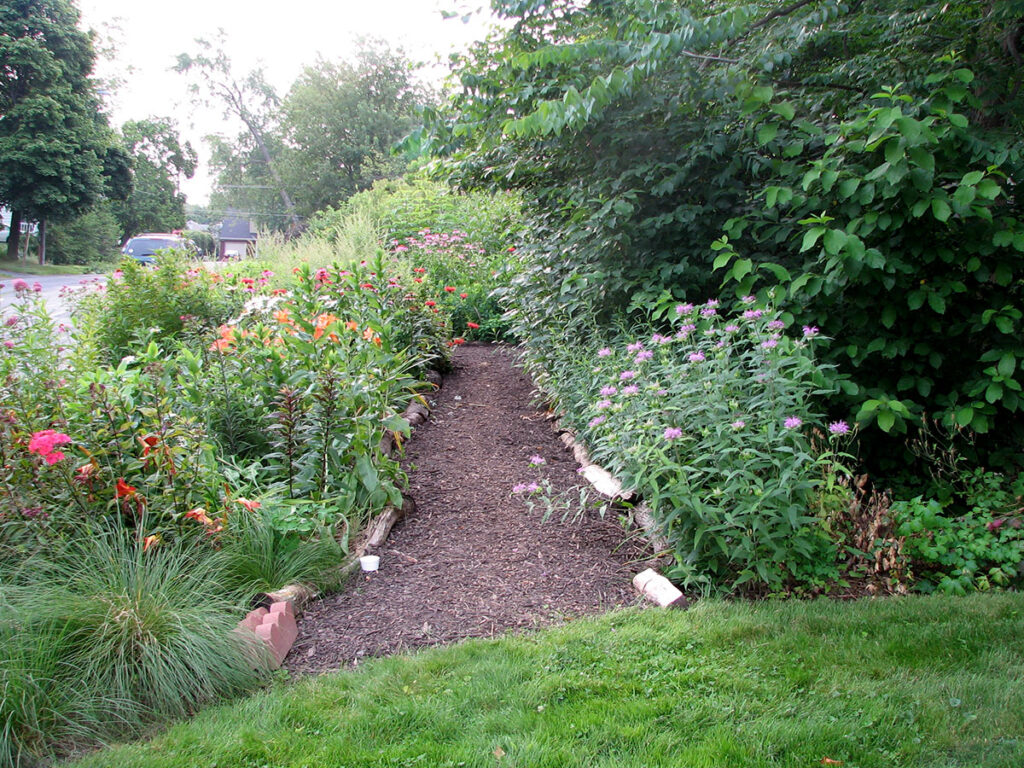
{"x":51,"y":287}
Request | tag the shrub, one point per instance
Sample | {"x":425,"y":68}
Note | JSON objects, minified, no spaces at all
{"x":91,"y":238}
{"x":973,"y":540}
{"x":158,"y":302}
{"x":403,"y":208}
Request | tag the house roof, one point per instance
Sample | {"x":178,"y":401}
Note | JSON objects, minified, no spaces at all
{"x":236,"y":228}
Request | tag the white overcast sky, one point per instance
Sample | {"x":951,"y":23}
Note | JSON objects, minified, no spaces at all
{"x":281,"y":35}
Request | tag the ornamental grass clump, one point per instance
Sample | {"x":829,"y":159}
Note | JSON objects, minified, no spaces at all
{"x":715,"y":424}
{"x":105,"y":635}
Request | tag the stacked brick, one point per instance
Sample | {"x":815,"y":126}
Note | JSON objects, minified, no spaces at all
{"x":275,"y":626}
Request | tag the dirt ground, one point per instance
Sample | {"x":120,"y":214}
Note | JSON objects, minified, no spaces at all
{"x":474,"y":560}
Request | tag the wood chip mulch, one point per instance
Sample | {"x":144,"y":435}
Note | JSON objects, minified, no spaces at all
{"x":472,"y":560}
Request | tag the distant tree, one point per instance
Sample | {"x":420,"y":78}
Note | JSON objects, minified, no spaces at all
{"x":340,"y":120}
{"x":57,"y":153}
{"x":159,"y":159}
{"x":248,"y":98}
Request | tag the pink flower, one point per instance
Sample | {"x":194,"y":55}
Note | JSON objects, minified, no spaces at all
{"x":696,"y":357}
{"x":19,"y":285}
{"x":632,"y":389}
{"x":45,"y":441}
{"x":9,"y":344}
{"x":608,"y":391}
{"x":604,"y":352}
{"x":626,"y":375}
{"x":673,"y":433}
{"x":793,"y":422}
{"x":53,"y":458}
{"x":838,"y":428}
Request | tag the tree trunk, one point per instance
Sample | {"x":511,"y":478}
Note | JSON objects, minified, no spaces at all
{"x":14,"y":236}
{"x":42,"y":242}
{"x":289,"y":206}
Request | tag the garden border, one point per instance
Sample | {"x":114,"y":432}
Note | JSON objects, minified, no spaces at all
{"x":274,"y":619}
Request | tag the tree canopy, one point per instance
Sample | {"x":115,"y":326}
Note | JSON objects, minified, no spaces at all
{"x":56,"y":149}
{"x":856,"y":159}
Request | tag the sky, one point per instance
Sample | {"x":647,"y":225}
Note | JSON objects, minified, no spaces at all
{"x":282,"y":36}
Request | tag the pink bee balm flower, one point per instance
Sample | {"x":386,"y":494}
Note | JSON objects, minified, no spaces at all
{"x":45,"y":441}
{"x":597,"y":420}
{"x":608,"y":391}
{"x":838,"y":428}
{"x":635,"y":346}
{"x":684,"y":309}
{"x":632,"y":389}
{"x":810,"y":331}
{"x":696,"y":357}
{"x":626,"y":375}
{"x":673,"y":433}
{"x":604,"y":352}
{"x":738,"y":424}
{"x":602,"y":404}
{"x":793,"y":422}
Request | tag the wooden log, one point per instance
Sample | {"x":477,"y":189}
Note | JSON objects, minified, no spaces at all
{"x":378,"y":530}
{"x":435,"y":378}
{"x":643,"y":517}
{"x":296,"y":594}
{"x":659,"y":590}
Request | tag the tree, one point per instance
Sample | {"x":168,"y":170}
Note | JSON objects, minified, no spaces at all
{"x":341,"y":119}
{"x":865,"y":156}
{"x":159,"y":159}
{"x":56,"y":150}
{"x":250,"y":99}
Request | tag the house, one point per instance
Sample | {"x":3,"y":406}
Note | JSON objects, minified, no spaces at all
{"x":237,"y":237}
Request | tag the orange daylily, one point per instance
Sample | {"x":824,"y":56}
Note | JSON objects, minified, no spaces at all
{"x":283,"y":317}
{"x":149,"y":541}
{"x":252,"y":506}
{"x":322,"y":322}
{"x":199,"y":515}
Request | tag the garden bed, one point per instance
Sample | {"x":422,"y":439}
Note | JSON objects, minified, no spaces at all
{"x":473,"y":559}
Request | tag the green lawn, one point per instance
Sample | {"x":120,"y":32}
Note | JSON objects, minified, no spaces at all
{"x":895,"y":682}
{"x":10,"y":267}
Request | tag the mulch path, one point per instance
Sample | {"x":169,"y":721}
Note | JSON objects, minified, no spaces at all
{"x":473,"y":560}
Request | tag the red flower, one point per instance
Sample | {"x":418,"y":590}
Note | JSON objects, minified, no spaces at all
{"x":450,"y":288}
{"x":463,"y":295}
{"x":252,"y":506}
{"x":430,"y":303}
{"x":419,"y":270}
{"x":474,"y":326}
{"x":124,"y":490}
{"x":149,"y":442}
{"x":458,"y":341}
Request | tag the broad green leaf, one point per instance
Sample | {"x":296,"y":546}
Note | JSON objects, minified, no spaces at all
{"x":834,"y":241}
{"x":940,"y":209}
{"x":937,"y":303}
{"x":811,"y":237}
{"x":767,"y":132}
{"x":785,"y":109}
{"x":886,"y":420}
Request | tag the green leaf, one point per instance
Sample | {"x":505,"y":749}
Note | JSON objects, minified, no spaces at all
{"x":811,"y":237}
{"x":940,"y":209}
{"x":965,"y":416}
{"x":767,"y":132}
{"x":847,"y":187}
{"x":1007,"y":364}
{"x":834,"y":241}
{"x":886,"y":420}
{"x":785,"y":109}
{"x":972,"y":177}
{"x":988,"y":189}
{"x":937,"y":303}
